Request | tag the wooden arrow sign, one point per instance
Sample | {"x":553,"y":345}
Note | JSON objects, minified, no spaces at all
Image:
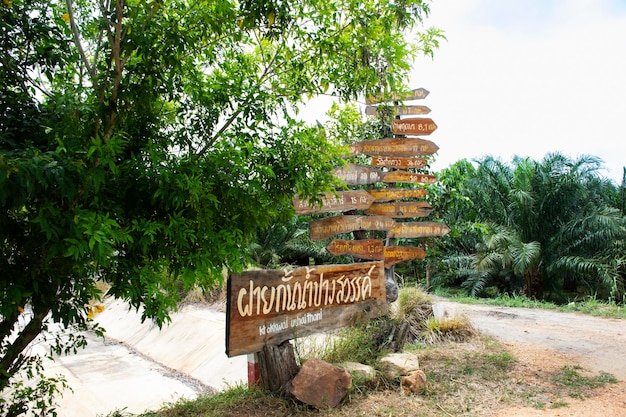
{"x":409,"y":177}
{"x":399,"y":210}
{"x":335,"y":202}
{"x":388,"y":194}
{"x":396,"y":110}
{"x":395,"y":254}
{"x":359,"y":174}
{"x":324,"y":228}
{"x":416,"y":94}
{"x":418,"y":229}
{"x":394,"y":147}
{"x":363,"y":249}
{"x":413,"y":126}
{"x":398,"y":162}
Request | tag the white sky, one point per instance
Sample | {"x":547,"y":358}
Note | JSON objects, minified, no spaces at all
{"x":528,"y":77}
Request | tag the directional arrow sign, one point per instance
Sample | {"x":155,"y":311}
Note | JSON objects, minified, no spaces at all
{"x":395,"y":254}
{"x":413,"y":126}
{"x":387,"y":194}
{"x":398,"y":162}
{"x":417,"y":94}
{"x":394,"y":147}
{"x":418,"y":229}
{"x":400,"y":209}
{"x":410,"y":177}
{"x":323,"y":228}
{"x":359,"y":174}
{"x":396,"y":110}
{"x":335,"y":202}
{"x":364,"y":249}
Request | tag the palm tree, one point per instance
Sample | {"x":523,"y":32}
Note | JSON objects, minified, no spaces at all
{"x":551,"y":225}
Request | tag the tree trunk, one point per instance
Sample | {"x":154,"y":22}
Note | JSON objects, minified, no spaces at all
{"x":533,"y":285}
{"x":278,"y":366}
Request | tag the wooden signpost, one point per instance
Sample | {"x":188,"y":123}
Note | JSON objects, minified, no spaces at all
{"x":268,"y":307}
{"x":418,"y":229}
{"x":415,"y":94}
{"x":418,"y":126}
{"x":363,"y":249}
{"x":394,"y":147}
{"x":359,"y":174}
{"x":396,"y":254}
{"x":398,"y":162}
{"x":388,"y":194}
{"x":410,"y":177}
{"x":400,"y":209}
{"x":336,"y":202}
{"x":330,"y":226}
{"x":396,"y":110}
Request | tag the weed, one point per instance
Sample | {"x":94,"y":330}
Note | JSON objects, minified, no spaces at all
{"x":580,"y":385}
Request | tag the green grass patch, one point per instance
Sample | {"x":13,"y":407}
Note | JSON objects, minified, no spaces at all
{"x":579,"y":385}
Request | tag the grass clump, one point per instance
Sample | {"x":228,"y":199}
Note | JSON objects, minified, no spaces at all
{"x":579,"y":385}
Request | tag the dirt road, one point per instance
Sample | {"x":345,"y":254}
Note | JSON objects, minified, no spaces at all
{"x":549,"y":340}
{"x":599,"y":344}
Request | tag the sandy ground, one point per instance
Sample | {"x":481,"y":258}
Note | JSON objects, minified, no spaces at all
{"x":139,"y":367}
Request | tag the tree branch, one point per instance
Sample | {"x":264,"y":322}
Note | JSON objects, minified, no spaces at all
{"x":81,"y":51}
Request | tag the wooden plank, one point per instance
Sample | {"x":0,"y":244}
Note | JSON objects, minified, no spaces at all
{"x":336,"y":202}
{"x":363,"y":249}
{"x":415,"y":94}
{"x":396,"y":254}
{"x":409,"y":177}
{"x":330,"y":226}
{"x":418,"y":229}
{"x":419,"y":126}
{"x":268,"y":307}
{"x":359,"y":174}
{"x":398,"y":162}
{"x":394,"y":147}
{"x":388,"y":194}
{"x":400,"y":209}
{"x":396,"y":110}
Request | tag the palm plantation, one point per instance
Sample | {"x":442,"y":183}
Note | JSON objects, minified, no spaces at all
{"x":549,"y":226}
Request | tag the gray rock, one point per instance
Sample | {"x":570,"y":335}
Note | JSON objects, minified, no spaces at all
{"x":396,"y":365}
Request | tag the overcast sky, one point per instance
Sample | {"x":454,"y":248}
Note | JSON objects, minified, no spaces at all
{"x":528,"y":77}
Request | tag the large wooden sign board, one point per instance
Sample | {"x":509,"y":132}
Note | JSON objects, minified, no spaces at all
{"x":268,"y":307}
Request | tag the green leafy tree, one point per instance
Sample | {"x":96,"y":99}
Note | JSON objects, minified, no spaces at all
{"x":551,"y":224}
{"x":143,"y":143}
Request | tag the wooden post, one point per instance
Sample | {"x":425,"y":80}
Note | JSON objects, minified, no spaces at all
{"x":278,"y":366}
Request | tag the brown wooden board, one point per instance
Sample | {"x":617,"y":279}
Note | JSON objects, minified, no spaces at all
{"x":418,"y":229}
{"x":419,"y":126}
{"x":363,"y":249}
{"x":330,"y":226}
{"x":416,"y":94}
{"x":396,"y":110}
{"x":400,"y":209}
{"x":388,"y":194}
{"x":395,"y":254}
{"x":268,"y":307}
{"x":359,"y":174}
{"x":394,"y":147}
{"x":398,"y":162}
{"x":409,"y":177}
{"x":335,"y":202}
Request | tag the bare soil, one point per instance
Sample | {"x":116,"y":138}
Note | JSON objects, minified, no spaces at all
{"x":544,"y":341}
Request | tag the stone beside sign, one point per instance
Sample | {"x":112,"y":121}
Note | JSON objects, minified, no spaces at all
{"x":268,"y":307}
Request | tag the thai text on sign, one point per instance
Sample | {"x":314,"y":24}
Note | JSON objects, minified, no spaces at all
{"x":267,"y":307}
